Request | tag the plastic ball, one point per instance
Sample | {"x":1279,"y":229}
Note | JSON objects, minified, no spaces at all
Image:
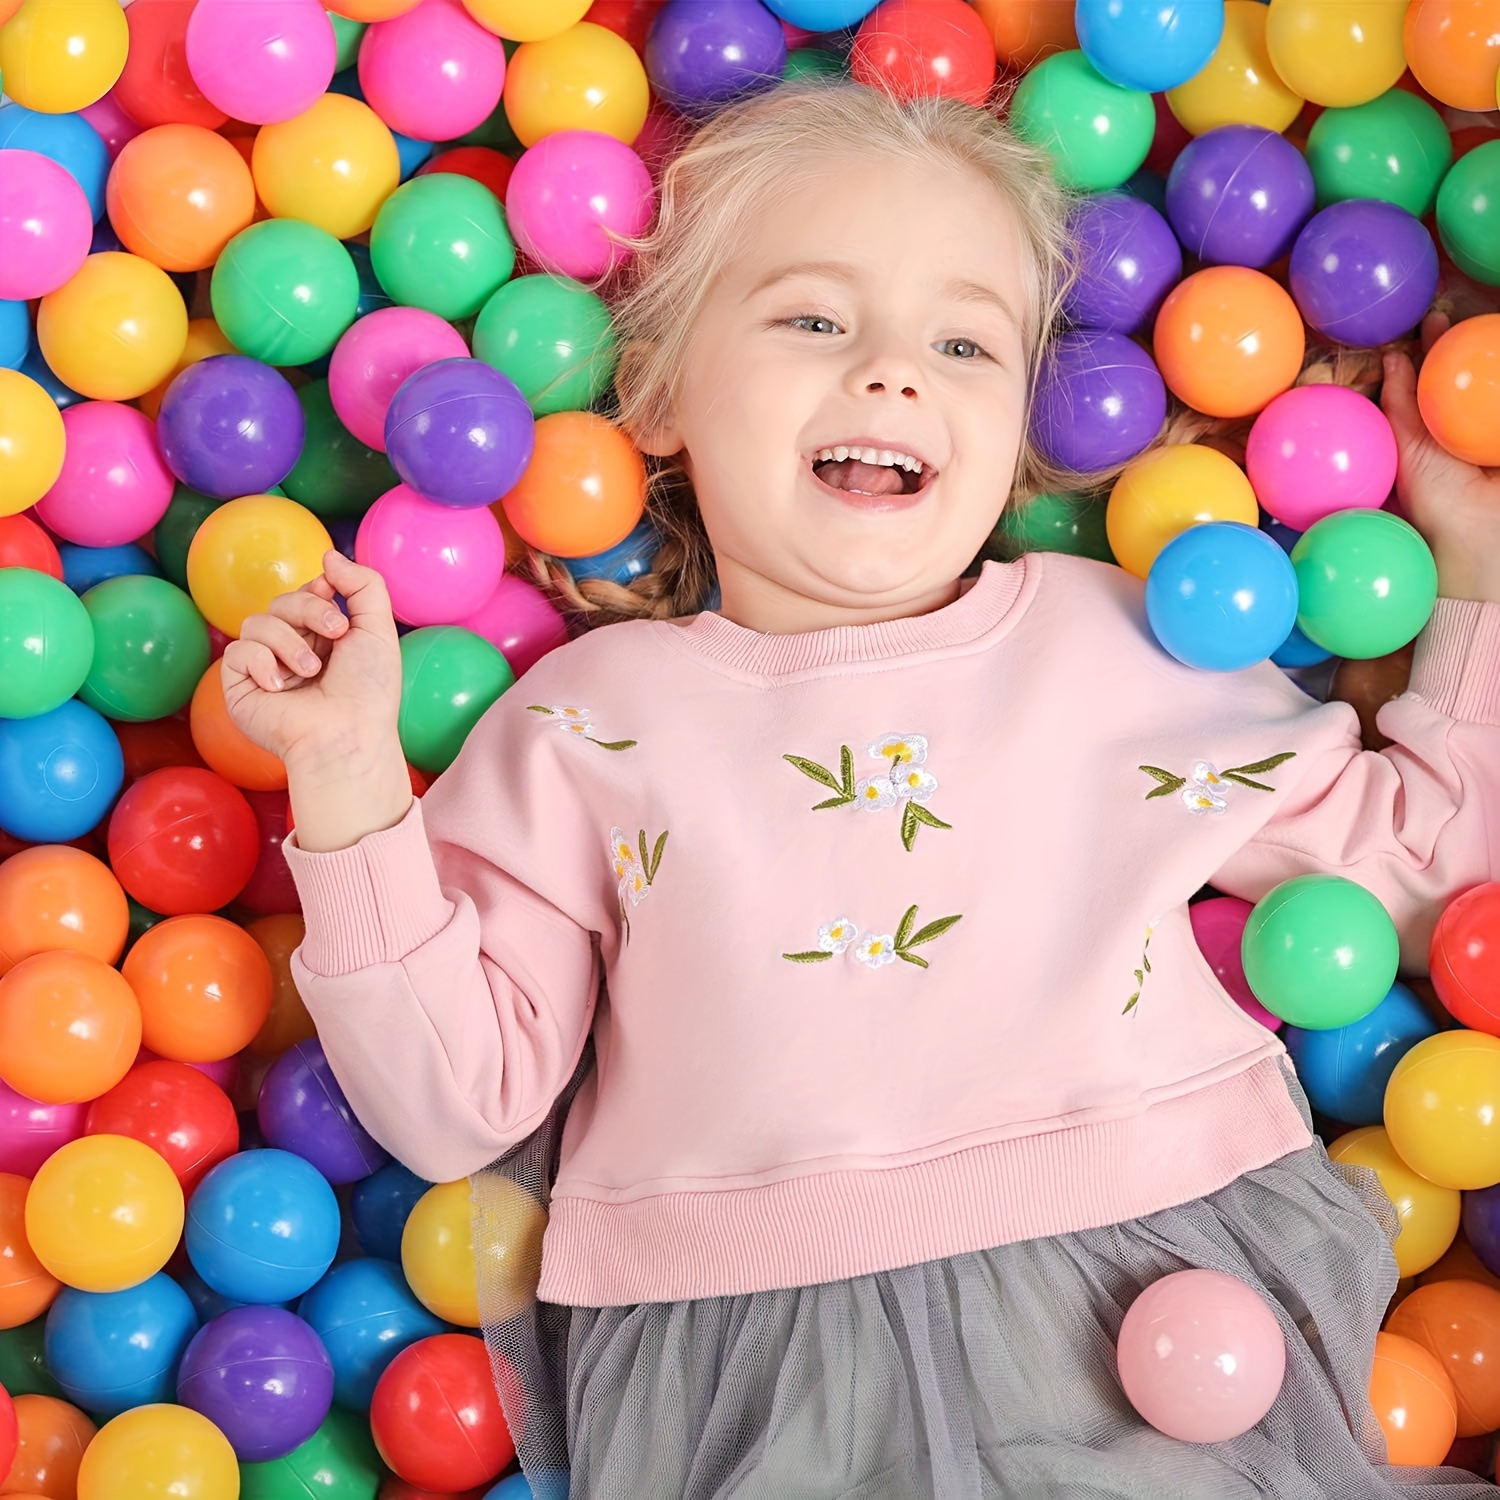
{"x":631,"y":559}
{"x":701,"y":54}
{"x":1468,"y":213}
{"x":23,"y":1368}
{"x":1128,"y":260}
{"x":9,"y":1433}
{"x":1228,"y":339}
{"x":380,"y":1206}
{"x":223,"y":745}
{"x":59,"y":773}
{"x":1453,"y":50}
{"x":31,"y":442}
{"x":915,"y":48}
{"x":1238,"y":85}
{"x":156,"y":87}
{"x":1363,"y":272}
{"x":1143,"y":45}
{"x":1201,"y":1356}
{"x":205,"y":339}
{"x":1336,"y":55}
{"x":1395,"y":148}
{"x":302,"y":1109}
{"x":175,"y":532}
{"x":1413,"y":1401}
{"x":111,"y":1351}
{"x":271,"y":889}
{"x":114,"y":485}
{"x":440,"y":243}
{"x":151,"y":647}
{"x":1442,"y":1109}
{"x":55,"y":898}
{"x":60,"y":55}
{"x":526,"y":20}
{"x":449,"y":677}
{"x":338,"y":1462}
{"x":45,"y":226}
{"x":1462,"y":957}
{"x":46,"y":643}
{"x":68,"y":139}
{"x":1481,"y":1229}
{"x":1458,"y":389}
{"x":261,"y":63}
{"x":483,"y":164}
{"x":15,"y":334}
{"x":1098,"y":401}
{"x":582,"y":78}
{"x":1459,"y":1323}
{"x":437,"y":1251}
{"x":83,"y":567}
{"x":1218,"y":927}
{"x":113,"y":124}
{"x":336,"y":476}
{"x":27,"y":1288}
{"x":24,"y":544}
{"x":159,"y":1452}
{"x":1097,"y":133}
{"x":1366,"y":580}
{"x":52,"y":1435}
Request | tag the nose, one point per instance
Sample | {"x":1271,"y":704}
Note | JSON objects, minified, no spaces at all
{"x":884,"y":369}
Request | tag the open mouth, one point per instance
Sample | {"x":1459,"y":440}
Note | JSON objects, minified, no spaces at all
{"x":876,"y":472}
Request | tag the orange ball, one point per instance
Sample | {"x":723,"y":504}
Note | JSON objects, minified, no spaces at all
{"x":1459,"y":1263}
{"x":369,"y":10}
{"x":223,"y":746}
{"x":1413,"y":1400}
{"x":1228,"y":340}
{"x":1459,"y":1322}
{"x":1026,"y":31}
{"x":177,"y":194}
{"x":1453,"y":49}
{"x":69,"y":1027}
{"x":204,"y":338}
{"x":288,"y":1022}
{"x":54,"y":896}
{"x":1458,"y":390}
{"x":26,"y":1286}
{"x":584,"y":489}
{"x":53,"y":1436}
{"x":204,"y":988}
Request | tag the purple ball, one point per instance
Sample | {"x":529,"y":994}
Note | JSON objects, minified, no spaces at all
{"x":1482,"y":1225}
{"x":459,"y":432}
{"x":230,"y":426}
{"x":1238,"y":195}
{"x":303,"y":1110}
{"x":1128,"y":260}
{"x":1099,"y":401}
{"x":261,"y":1376}
{"x":1363,"y":272}
{"x":700,"y":54}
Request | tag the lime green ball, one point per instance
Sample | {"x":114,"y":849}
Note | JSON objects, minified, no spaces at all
{"x":347,"y":36}
{"x":1468,"y":213}
{"x":151,"y":648}
{"x":338,"y":1462}
{"x":440,"y":243}
{"x":1071,"y":522}
{"x":812,"y":62}
{"x":1366,"y":583}
{"x":1395,"y":148}
{"x":336,"y":477}
{"x":1320,"y":952}
{"x":553,"y":337}
{"x":283,"y":291}
{"x":46,"y":643}
{"x":1098,"y":133}
{"x":449,"y":676}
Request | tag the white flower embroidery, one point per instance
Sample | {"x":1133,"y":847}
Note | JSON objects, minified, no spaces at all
{"x":875,"y":792}
{"x":913,"y":782}
{"x":1201,"y":794}
{"x":902,"y":782}
{"x":576,"y":721}
{"x":877,"y":950}
{"x":626,"y":862}
{"x":910,"y":749}
{"x":837,"y":935}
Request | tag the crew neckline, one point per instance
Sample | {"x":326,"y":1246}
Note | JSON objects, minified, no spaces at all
{"x":985,"y":602}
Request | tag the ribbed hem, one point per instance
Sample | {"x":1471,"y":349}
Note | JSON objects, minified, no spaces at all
{"x":1456,"y":666}
{"x":372,"y":903}
{"x":829,"y":1227}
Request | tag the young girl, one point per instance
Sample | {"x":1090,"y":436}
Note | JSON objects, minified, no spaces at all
{"x":851,"y":880}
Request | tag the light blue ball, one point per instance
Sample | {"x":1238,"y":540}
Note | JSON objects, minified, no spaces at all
{"x":83,"y":567}
{"x":59,"y":773}
{"x":1297,"y":651}
{"x":551,"y":1484}
{"x":15,"y":334}
{"x":1149,"y":45}
{"x":69,"y":140}
{"x":624,"y":561}
{"x":821,"y":15}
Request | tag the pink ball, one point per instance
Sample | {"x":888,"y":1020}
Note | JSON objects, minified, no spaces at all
{"x":1201,"y":1356}
{"x":1219,"y":925}
{"x":567,"y":190}
{"x":520,"y":622}
{"x":1317,"y":449}
{"x":261,"y":61}
{"x":224,"y":1071}
{"x":432,"y":72}
{"x":115,"y":485}
{"x":112,"y":125}
{"x":375,"y":355}
{"x":31,"y":1132}
{"x":45,"y":225}
{"x":439,"y":563}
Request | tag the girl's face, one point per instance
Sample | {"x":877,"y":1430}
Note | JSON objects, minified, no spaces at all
{"x":875,"y":307}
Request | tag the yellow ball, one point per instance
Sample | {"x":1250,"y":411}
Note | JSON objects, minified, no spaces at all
{"x":115,"y":330}
{"x":1238,"y":85}
{"x":1442,"y":1109}
{"x":204,"y":338}
{"x":159,"y":1453}
{"x":333,"y":165}
{"x":103,"y":1213}
{"x":1429,"y":1213}
{"x":31,"y":442}
{"x":1162,"y":493}
{"x":527,"y":20}
{"x":249,"y":551}
{"x":1337,"y":55}
{"x":584,"y":78}
{"x":58,"y":56}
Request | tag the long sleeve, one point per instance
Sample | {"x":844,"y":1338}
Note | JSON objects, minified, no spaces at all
{"x":1418,"y":822}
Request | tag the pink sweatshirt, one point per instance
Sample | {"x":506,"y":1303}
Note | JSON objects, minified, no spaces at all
{"x":869,"y":905}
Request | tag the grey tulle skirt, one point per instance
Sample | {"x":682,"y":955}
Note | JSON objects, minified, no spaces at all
{"x":987,"y":1374}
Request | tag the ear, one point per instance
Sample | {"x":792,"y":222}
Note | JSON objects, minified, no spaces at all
{"x":660,"y":442}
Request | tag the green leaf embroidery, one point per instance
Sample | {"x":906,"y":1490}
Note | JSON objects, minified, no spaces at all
{"x":1269,"y":764}
{"x":1140,"y":974}
{"x":913,"y":958}
{"x":914,"y":817}
{"x":656,"y":854}
{"x":904,"y":930}
{"x":817,"y":956}
{"x":538,"y":708}
{"x":824,"y":777}
{"x":1130,"y":1004}
{"x":612,"y":744}
{"x":903,"y":942}
{"x":1167,"y":783}
{"x":933,"y":929}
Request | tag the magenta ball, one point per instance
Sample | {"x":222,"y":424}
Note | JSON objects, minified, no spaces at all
{"x":1201,"y":1356}
{"x":111,"y":123}
{"x":45,"y":225}
{"x":261,"y":61}
{"x":1317,"y":449}
{"x":520,"y":622}
{"x":115,"y":485}
{"x":31,"y":1132}
{"x":433,"y":72}
{"x":373,"y":358}
{"x":1219,"y":926}
{"x":567,"y":190}
{"x":439,"y":563}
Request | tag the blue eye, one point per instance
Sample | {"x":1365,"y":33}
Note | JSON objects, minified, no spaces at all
{"x":829,"y":326}
{"x":973,"y":350}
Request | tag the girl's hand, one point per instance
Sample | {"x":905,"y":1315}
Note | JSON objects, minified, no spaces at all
{"x":1455,"y":505}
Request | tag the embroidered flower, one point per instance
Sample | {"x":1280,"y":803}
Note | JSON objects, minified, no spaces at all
{"x":1200,"y":796}
{"x":908,"y":749}
{"x":877,"y":950}
{"x":1145,"y":968}
{"x":875,"y":792}
{"x":837,"y":935}
{"x":623,"y":853}
{"x":576,"y":721}
{"x":903,"y":784}
{"x":1203,"y":787}
{"x":635,"y":867}
{"x":913,"y":782}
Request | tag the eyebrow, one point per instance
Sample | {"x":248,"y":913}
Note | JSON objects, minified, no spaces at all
{"x":958,"y":290}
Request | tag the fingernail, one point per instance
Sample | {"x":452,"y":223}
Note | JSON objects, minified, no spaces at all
{"x":277,"y":681}
{"x":332,"y":620}
{"x":307,"y":663}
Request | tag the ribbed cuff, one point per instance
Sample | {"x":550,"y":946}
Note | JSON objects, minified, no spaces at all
{"x":372,"y":903}
{"x":1456,"y":666}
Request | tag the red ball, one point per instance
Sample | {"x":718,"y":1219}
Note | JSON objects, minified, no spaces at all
{"x":23,"y":544}
{"x":488,"y":167}
{"x":271,"y":888}
{"x":916,"y":47}
{"x":9,"y":1431}
{"x":183,"y":840}
{"x":1465,"y":958}
{"x":156,"y":87}
{"x":436,"y":1415}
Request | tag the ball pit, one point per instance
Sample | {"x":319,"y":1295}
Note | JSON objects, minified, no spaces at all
{"x":61,"y":55}
{"x":1097,"y":133}
{"x":302,"y":1109}
{"x":59,"y":773}
{"x":45,"y":225}
{"x":1129,"y":260}
{"x":260,"y":63}
{"x":46,"y":643}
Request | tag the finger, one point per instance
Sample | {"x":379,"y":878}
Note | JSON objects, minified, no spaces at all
{"x":320,"y":586}
{"x":363,"y":589}
{"x":311,"y":614}
{"x":250,"y":659}
{"x":285,"y":642}
{"x":1434,"y":326}
{"x":1398,"y":399}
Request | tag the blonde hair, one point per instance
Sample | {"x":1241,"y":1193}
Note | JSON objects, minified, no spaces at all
{"x":709,"y":193}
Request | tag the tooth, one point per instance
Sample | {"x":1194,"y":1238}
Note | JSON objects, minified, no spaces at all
{"x":840,"y":453}
{"x":886,"y":459}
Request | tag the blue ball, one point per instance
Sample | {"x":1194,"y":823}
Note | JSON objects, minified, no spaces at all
{"x":83,"y":567}
{"x":63,"y":396}
{"x":1298,"y":651}
{"x":547,"y":1484}
{"x":366,"y":1315}
{"x":1345,"y":1070}
{"x":110,"y":1351}
{"x":59,"y":773}
{"x":262,"y":1227}
{"x":15,"y":334}
{"x":381,"y":1204}
{"x":821,"y":15}
{"x":622,"y":562}
{"x":1150,"y":45}
{"x":410,"y":153}
{"x":1221,"y":596}
{"x":69,"y":140}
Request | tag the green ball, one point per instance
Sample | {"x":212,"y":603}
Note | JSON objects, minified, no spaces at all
{"x":1395,"y":148}
{"x":493,"y":131}
{"x":1098,"y":133}
{"x":283,"y":291}
{"x":336,"y":477}
{"x":338,"y":1462}
{"x":1071,"y":522}
{"x":23,"y":1361}
{"x":553,"y":337}
{"x":142,"y":920}
{"x":1468,"y":213}
{"x":1320,"y":952}
{"x":175,"y":531}
{"x":46,"y":643}
{"x":440,"y":243}
{"x":1366,"y":583}
{"x":449,"y":676}
{"x":812,"y":62}
{"x":347,"y":36}
{"x":151,"y":648}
